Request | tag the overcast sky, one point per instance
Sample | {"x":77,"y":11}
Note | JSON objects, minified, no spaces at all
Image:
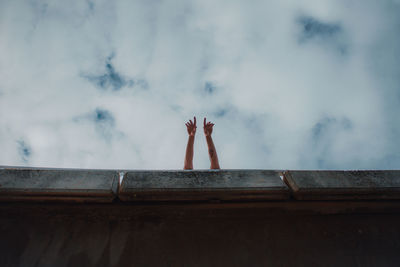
{"x":304,"y":84}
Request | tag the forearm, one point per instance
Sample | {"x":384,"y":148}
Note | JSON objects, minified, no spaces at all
{"x":212,"y":153}
{"x":189,"y":154}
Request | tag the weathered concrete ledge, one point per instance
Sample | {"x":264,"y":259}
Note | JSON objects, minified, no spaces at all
{"x":78,"y":185}
{"x":71,"y":185}
{"x":227,"y":185}
{"x":338,"y":185}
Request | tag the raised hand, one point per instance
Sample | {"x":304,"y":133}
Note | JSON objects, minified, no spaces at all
{"x":208,"y":128}
{"x":191,"y":126}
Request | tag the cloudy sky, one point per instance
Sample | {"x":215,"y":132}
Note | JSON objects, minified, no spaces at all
{"x":302,"y":84}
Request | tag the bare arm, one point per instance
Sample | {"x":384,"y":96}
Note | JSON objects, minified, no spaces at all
{"x":212,"y":152}
{"x":191,"y":128}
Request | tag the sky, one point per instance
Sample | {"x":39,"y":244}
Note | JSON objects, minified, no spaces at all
{"x":301,"y":84}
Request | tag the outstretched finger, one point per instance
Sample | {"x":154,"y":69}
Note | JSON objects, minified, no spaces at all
{"x":204,"y":122}
{"x":194,"y":119}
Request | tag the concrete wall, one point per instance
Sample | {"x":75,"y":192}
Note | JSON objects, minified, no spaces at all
{"x":199,"y":218}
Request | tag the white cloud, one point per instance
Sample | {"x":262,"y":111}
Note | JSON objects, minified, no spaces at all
{"x":284,"y":92}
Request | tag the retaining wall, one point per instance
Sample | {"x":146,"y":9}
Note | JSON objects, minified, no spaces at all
{"x":66,"y":217}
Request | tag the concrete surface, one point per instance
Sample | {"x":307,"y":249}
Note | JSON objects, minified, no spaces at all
{"x":273,"y":233}
{"x":58,"y":185}
{"x":256,"y":223}
{"x":203,"y":185}
{"x":320,"y":185}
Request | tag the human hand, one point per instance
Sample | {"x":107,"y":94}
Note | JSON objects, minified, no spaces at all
{"x":208,"y":128}
{"x":191,"y":127}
